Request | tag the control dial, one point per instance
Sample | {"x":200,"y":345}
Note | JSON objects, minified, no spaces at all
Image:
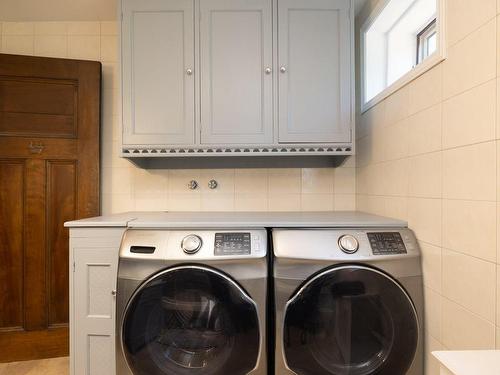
{"x":191,"y":244}
{"x":348,"y":244}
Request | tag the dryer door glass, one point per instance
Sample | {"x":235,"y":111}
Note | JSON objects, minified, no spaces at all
{"x":350,"y":320}
{"x":190,"y":320}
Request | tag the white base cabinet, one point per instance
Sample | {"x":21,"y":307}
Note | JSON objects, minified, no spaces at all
{"x":237,"y":77}
{"x":93,"y":274}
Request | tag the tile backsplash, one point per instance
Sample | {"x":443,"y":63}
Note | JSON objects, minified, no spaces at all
{"x":127,"y":187}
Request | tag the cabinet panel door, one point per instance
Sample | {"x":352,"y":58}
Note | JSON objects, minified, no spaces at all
{"x":158,"y":90}
{"x":236,"y":49}
{"x":315,"y":71}
{"x":94,"y":308}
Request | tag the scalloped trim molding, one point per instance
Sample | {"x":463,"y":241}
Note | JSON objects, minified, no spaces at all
{"x":235,"y":151}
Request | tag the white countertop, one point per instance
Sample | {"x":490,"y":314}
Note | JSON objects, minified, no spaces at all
{"x":238,"y":219}
{"x":470,"y":362}
{"x":115,"y":220}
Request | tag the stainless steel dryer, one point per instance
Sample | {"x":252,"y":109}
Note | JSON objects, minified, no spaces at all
{"x":192,"y":302}
{"x":348,"y":301}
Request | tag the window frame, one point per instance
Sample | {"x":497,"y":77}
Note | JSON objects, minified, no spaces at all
{"x":423,"y":40}
{"x":438,"y":56}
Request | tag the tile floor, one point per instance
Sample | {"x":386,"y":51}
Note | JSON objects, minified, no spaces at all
{"x":52,"y":366}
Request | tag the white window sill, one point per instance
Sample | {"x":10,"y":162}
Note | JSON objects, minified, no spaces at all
{"x":420,"y":69}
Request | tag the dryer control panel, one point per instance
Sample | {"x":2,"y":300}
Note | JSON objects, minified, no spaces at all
{"x":232,"y":244}
{"x":345,"y":244}
{"x":386,"y":243}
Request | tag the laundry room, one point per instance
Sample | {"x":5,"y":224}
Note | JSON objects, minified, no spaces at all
{"x":249,"y":187}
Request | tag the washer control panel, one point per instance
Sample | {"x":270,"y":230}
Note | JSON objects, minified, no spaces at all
{"x":194,"y":244}
{"x":386,"y":243}
{"x":236,"y":243}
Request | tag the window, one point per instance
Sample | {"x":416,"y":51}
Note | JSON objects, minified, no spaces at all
{"x":426,"y":41}
{"x":400,"y":40}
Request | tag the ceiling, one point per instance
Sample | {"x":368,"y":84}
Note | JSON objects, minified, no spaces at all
{"x":70,"y":10}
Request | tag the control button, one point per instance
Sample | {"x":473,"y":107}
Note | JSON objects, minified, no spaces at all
{"x":348,"y":244}
{"x":191,"y":244}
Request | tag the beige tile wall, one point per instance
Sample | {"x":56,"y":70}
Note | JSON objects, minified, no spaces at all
{"x":126,"y":187}
{"x":429,"y":154}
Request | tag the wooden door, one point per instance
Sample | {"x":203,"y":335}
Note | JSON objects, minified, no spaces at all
{"x":236,"y":72}
{"x":49,"y":173}
{"x":314,"y":58}
{"x":158,"y":72}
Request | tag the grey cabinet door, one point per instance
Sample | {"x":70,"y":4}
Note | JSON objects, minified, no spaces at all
{"x":158,"y":72}
{"x":314,"y":58}
{"x":236,"y":90}
{"x":94,"y":310}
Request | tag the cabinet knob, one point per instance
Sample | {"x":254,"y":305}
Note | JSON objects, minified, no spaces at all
{"x":283,"y":69}
{"x":189,"y":72}
{"x":268,"y":70}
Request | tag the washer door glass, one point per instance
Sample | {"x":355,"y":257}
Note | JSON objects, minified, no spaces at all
{"x":191,"y":320}
{"x":350,"y":320}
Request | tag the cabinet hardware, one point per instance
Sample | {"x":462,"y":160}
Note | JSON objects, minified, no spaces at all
{"x":189,"y":72}
{"x":283,"y":69}
{"x":268,"y":70}
{"x":193,"y":185}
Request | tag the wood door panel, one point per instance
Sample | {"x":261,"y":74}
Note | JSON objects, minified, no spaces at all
{"x":39,"y":148}
{"x":40,"y":67}
{"x":11,"y":243}
{"x":61,"y":207}
{"x":34,"y":250}
{"x":35,"y":124}
{"x":34,"y":344}
{"x":38,"y":107}
{"x":49,"y":174}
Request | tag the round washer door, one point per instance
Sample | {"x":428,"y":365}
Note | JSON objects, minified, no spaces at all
{"x":350,"y":320}
{"x":190,"y":320}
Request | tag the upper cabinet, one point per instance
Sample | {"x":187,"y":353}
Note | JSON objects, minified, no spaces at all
{"x":237,"y":76}
{"x":236,"y":39}
{"x":158,"y":66}
{"x":314,"y":57}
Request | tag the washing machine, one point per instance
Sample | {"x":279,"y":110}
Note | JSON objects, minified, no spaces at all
{"x":192,"y":302}
{"x":348,"y":301}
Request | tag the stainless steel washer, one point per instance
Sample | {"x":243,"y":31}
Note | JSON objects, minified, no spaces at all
{"x":192,"y":302}
{"x":348,"y":301}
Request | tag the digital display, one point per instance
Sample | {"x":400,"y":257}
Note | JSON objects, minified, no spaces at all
{"x":232,"y":244}
{"x":386,"y":243}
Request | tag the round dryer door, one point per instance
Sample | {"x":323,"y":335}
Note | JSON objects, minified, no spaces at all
{"x":350,"y":320}
{"x":190,"y":320}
